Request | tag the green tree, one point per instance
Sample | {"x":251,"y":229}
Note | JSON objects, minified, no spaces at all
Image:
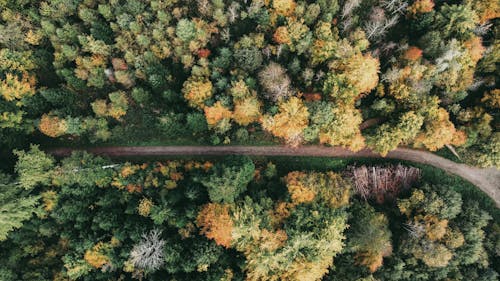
{"x":229,"y":179}
{"x":34,"y":167}
{"x":16,"y":206}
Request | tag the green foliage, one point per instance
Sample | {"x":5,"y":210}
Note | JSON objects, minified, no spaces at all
{"x":227,"y":181}
{"x":34,"y":167}
{"x":16,"y":204}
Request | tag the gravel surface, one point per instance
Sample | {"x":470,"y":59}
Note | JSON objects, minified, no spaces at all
{"x":488,"y":180}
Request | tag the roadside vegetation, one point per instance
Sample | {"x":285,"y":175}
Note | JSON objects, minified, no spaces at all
{"x":250,"y":72}
{"x":237,"y":218}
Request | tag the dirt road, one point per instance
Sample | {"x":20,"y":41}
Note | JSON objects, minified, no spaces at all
{"x":488,"y":180}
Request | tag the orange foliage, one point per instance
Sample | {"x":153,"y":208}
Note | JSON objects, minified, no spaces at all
{"x":281,"y":35}
{"x":492,"y":98}
{"x":119,"y":64}
{"x":298,"y":191}
{"x":271,"y":241}
{"x":435,"y":229}
{"x":421,"y":6}
{"x":215,"y":223}
{"x":203,"y":53}
{"x":486,"y":9}
{"x":216,"y":113}
{"x":312,"y":96}
{"x":52,"y":126}
{"x":413,"y":54}
{"x":475,"y":47}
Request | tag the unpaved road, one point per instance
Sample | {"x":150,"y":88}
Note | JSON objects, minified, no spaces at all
{"x":488,"y":180}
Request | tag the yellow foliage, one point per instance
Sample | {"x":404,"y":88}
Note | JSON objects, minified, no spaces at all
{"x":305,"y":187}
{"x":52,"y":126}
{"x":344,"y":130}
{"x":96,"y":256}
{"x":362,"y":72}
{"x":438,"y":132}
{"x":216,"y":113}
{"x":492,"y":98}
{"x":290,"y":122}
{"x":15,"y":88}
{"x":239,"y":89}
{"x":284,"y":7}
{"x":298,"y":191}
{"x":247,"y":111}
{"x":144,"y":208}
{"x":49,"y":199}
{"x":196,"y":92}
{"x":215,"y":223}
{"x":435,"y":229}
{"x":33,"y":38}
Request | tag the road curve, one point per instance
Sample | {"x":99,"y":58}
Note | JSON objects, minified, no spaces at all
{"x":488,"y":180}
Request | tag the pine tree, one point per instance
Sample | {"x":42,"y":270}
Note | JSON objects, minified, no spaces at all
{"x":16,"y":206}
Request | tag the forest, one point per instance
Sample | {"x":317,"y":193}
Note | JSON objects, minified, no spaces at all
{"x":361,"y":75}
{"x":421,"y":73}
{"x":236,"y":218}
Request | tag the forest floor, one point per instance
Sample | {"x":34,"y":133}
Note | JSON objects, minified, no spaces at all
{"x":488,"y":180}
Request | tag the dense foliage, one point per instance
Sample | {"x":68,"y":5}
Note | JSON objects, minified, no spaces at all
{"x":87,"y":218}
{"x":250,"y":71}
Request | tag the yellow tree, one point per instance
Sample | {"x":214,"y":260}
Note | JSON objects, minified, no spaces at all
{"x":247,"y":110}
{"x":196,"y":91}
{"x":290,"y":122}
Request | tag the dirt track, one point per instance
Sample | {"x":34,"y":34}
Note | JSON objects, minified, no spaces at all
{"x":488,"y":180}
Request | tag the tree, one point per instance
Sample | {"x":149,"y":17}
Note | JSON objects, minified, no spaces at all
{"x":335,"y":125}
{"x":369,"y":236}
{"x":196,"y":91}
{"x":34,"y":167}
{"x":247,"y":110}
{"x":456,"y":21}
{"x":215,"y":223}
{"x":275,"y":82}
{"x":216,"y":113}
{"x":16,"y":206}
{"x":52,"y":126}
{"x":227,"y":181}
{"x":148,"y":254}
{"x":290,"y":122}
{"x":388,"y":136}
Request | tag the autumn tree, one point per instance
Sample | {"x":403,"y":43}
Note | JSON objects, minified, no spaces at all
{"x":290,"y":121}
{"x":215,"y":223}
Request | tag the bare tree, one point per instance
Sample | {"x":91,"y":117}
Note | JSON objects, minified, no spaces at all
{"x":383,"y":183}
{"x":275,"y":81}
{"x":148,"y":254}
{"x":349,"y":6}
